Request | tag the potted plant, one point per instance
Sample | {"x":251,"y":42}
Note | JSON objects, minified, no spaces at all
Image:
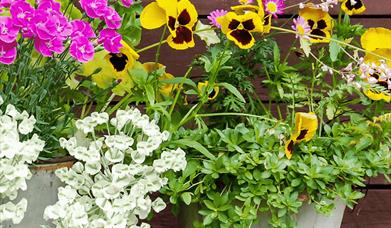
{"x":247,"y":159}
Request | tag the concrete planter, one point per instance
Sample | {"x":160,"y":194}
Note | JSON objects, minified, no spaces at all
{"x":306,"y":218}
{"x":41,"y":192}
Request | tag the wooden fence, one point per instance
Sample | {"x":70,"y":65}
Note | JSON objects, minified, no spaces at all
{"x":374,"y":211}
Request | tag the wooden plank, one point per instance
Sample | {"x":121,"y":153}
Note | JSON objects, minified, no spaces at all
{"x":373,"y":211}
{"x":377,"y":7}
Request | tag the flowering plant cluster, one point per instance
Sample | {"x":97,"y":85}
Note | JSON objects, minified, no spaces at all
{"x":15,"y":157}
{"x":111,"y":183}
{"x":271,"y":117}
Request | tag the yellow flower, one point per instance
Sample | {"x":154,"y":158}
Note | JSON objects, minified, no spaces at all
{"x":113,"y":67}
{"x":165,"y":89}
{"x":351,"y":7}
{"x":213,"y":94}
{"x":239,"y":28}
{"x":179,"y":16}
{"x":320,"y":22}
{"x":377,"y":41}
{"x":267,"y":23}
{"x":306,"y":125}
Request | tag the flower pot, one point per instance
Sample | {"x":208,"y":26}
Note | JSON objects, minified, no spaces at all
{"x":309,"y":218}
{"x":306,"y":218}
{"x":41,"y":192}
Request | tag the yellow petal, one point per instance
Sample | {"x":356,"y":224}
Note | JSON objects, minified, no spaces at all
{"x":377,"y":96}
{"x":225,"y":20}
{"x":243,"y":39}
{"x":212,"y":94}
{"x":255,"y":19}
{"x":306,"y":125}
{"x":375,"y":38}
{"x":179,"y":43}
{"x":289,"y":148}
{"x":375,"y":57}
{"x":167,"y":88}
{"x":185,"y":7}
{"x":152,"y":16}
{"x":267,"y":23}
{"x":326,"y":38}
{"x":353,"y":10}
{"x":319,"y":21}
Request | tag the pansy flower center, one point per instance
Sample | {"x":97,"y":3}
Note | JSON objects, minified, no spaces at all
{"x":354,"y":4}
{"x":118,"y":61}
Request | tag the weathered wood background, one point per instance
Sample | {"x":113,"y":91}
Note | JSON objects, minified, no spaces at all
{"x":374,"y":211}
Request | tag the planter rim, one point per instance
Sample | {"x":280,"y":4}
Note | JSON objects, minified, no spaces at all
{"x":53,"y":164}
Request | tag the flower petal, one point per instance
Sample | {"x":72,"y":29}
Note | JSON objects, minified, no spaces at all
{"x":306,"y":125}
{"x":152,"y":16}
{"x":182,"y":40}
{"x":242,"y":38}
{"x":375,"y":38}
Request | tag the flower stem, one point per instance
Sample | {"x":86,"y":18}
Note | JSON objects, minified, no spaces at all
{"x":151,"y":46}
{"x":236,"y":114}
{"x":334,"y":40}
{"x":179,"y":90}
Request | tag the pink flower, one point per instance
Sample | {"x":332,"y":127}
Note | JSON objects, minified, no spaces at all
{"x":49,"y":6}
{"x":7,"y":52}
{"x":111,"y":40}
{"x":274,"y":7}
{"x":94,"y":8}
{"x":81,"y":29}
{"x":82,"y":49}
{"x":214,"y":15}
{"x":5,"y":3}
{"x":22,"y":13}
{"x":127,"y":3}
{"x":8,"y":32}
{"x":48,"y":47}
{"x":112,"y":18}
{"x":302,"y":28}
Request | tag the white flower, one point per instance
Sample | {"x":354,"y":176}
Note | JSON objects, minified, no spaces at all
{"x":158,"y":205}
{"x":113,"y":178}
{"x":11,"y":111}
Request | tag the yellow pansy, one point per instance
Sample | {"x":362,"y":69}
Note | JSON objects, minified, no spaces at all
{"x":320,"y":22}
{"x":378,"y":42}
{"x":351,"y":7}
{"x":179,"y":16}
{"x":113,"y":67}
{"x":213,"y":94}
{"x":165,"y":89}
{"x":306,"y":125}
{"x":267,"y":23}
{"x":239,"y":28}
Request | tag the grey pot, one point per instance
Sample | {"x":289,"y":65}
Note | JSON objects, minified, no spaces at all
{"x":306,"y":218}
{"x":41,"y":192}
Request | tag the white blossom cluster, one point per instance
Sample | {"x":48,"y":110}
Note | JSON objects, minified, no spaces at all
{"x":325,"y":5}
{"x":110,"y":184}
{"x":15,"y":156}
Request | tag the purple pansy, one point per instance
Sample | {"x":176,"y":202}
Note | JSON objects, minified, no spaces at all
{"x":82,"y":49}
{"x":7,"y":52}
{"x":112,"y":18}
{"x":111,"y":40}
{"x":94,"y":8}
{"x":8,"y":32}
{"x":81,"y":28}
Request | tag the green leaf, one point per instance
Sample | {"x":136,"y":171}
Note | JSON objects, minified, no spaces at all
{"x":179,"y":80}
{"x":150,"y":93}
{"x":334,"y":49}
{"x":186,"y":197}
{"x":233,"y":90}
{"x":197,"y":146}
{"x":276,"y":54}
